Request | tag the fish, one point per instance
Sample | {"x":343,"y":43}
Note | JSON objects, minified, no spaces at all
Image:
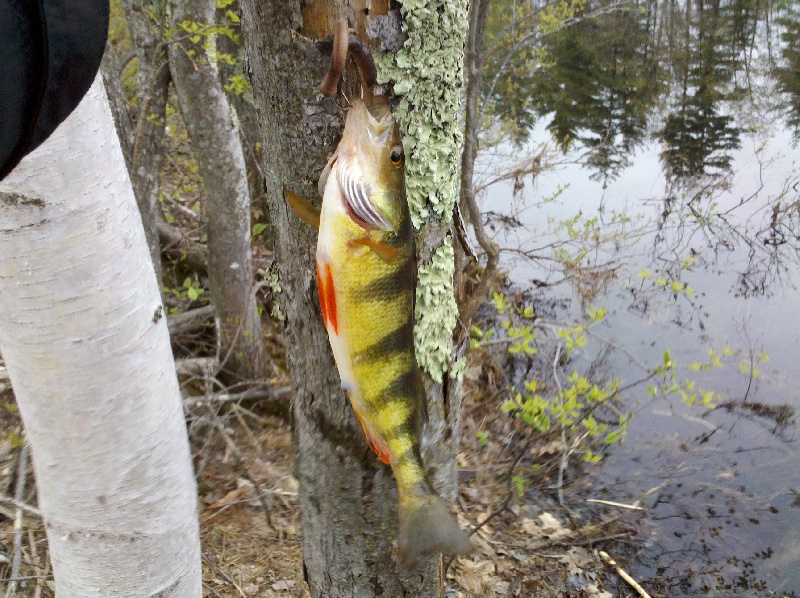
{"x":366,"y":282}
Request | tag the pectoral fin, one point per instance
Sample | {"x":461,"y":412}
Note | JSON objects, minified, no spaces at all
{"x":307,"y":212}
{"x":386,"y":252}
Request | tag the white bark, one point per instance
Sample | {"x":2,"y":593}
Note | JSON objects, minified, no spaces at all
{"x":88,"y":353}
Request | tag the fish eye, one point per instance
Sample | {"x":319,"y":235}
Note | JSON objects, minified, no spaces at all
{"x":397,"y":155}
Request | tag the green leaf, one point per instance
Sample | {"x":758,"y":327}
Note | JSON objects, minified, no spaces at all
{"x":519,"y":484}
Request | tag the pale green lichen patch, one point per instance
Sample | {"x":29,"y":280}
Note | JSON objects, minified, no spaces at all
{"x":427,"y":73}
{"x":436,"y":312}
{"x":273,"y":279}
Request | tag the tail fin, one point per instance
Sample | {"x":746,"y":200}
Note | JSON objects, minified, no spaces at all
{"x":428,"y":528}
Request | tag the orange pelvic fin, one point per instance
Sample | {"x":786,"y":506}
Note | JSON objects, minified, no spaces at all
{"x":327,"y":297}
{"x":307,"y":212}
{"x":375,"y":442}
{"x":386,"y":252}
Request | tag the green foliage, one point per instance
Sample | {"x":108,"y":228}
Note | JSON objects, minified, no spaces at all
{"x":519,"y":485}
{"x":15,"y":440}
{"x":258,"y":228}
{"x":191,"y":289}
{"x":571,"y":406}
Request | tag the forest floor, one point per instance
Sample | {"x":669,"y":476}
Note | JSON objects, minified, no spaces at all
{"x":526,"y":544}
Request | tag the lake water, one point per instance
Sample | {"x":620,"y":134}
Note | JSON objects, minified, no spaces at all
{"x":729,"y":481}
{"x":721,"y":487}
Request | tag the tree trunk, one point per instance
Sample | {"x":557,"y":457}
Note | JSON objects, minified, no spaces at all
{"x":119,"y":105}
{"x":479,"y":10}
{"x":85,"y":341}
{"x":348,"y":499}
{"x":218,"y":150}
{"x":146,"y":22}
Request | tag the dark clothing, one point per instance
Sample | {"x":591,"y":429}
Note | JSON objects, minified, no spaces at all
{"x":50,"y":52}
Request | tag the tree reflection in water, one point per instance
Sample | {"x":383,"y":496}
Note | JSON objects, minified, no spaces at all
{"x":703,"y":80}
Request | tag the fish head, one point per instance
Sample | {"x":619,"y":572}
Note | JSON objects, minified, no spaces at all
{"x":370,"y":168}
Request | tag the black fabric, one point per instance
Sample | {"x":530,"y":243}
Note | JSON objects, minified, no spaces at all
{"x":50,"y":52}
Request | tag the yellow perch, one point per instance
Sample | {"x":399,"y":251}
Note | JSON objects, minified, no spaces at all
{"x":365,"y":277}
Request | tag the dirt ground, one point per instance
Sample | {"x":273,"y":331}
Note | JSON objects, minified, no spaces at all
{"x":251,"y":529}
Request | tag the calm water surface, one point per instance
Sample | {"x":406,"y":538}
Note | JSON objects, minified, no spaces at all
{"x":721,"y":487}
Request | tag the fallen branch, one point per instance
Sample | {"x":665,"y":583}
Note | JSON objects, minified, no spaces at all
{"x":19,"y":495}
{"x":189,"y":321}
{"x":197,"y":366}
{"x":252,"y":394}
{"x":179,"y":247}
{"x":621,"y":572}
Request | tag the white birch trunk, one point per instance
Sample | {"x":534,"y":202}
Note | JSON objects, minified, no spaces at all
{"x":88,"y":353}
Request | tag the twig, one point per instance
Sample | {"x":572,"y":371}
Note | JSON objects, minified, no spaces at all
{"x":28,"y":578}
{"x":197,"y":366}
{"x":615,"y":504}
{"x":253,"y":394}
{"x":224,"y":575}
{"x":243,"y":464}
{"x":621,"y":572}
{"x":19,"y":495}
{"x":503,"y":507}
{"x":562,"y":466}
{"x":21,"y":505}
{"x":189,"y":320}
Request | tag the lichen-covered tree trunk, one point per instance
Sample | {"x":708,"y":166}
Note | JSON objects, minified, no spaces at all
{"x":218,"y":150}
{"x":85,"y":340}
{"x":347,"y":497}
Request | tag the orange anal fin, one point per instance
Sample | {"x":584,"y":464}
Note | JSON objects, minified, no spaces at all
{"x":375,"y":442}
{"x":327,"y":297}
{"x":307,"y":212}
{"x":386,"y":252}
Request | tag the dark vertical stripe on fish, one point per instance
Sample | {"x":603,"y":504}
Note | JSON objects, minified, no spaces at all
{"x":390,"y":286}
{"x":395,"y":341}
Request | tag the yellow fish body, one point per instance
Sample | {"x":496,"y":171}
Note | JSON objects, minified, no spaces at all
{"x":365,"y":275}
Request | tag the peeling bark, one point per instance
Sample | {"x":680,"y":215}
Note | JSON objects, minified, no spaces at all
{"x":218,"y":150}
{"x":87,"y":349}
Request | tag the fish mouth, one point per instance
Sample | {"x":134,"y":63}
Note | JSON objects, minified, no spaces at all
{"x":356,"y":193}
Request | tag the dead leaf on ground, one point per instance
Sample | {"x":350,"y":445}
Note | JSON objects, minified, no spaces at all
{"x":474,"y":576}
{"x":594,"y":592}
{"x":284,"y":585}
{"x":577,"y":560}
